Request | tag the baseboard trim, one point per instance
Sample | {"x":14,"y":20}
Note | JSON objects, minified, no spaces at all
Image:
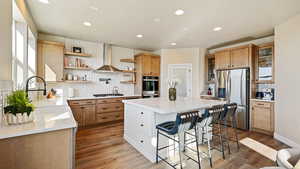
{"x":286,"y":140}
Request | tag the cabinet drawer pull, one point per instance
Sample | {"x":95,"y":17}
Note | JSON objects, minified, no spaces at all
{"x":117,"y":107}
{"x":260,"y":104}
{"x":82,"y":107}
{"x":142,"y":125}
{"x":142,"y":141}
{"x":142,"y":112}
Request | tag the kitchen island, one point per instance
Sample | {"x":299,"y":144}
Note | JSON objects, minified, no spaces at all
{"x":142,"y":116}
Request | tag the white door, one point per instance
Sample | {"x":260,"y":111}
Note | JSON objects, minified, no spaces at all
{"x":183,"y":73}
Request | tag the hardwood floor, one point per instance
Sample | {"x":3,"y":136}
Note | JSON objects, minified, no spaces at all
{"x":103,"y":147}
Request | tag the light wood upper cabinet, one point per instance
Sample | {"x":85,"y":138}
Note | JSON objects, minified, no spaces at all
{"x":50,"y":60}
{"x":240,"y":57}
{"x":155,"y":66}
{"x":147,"y":64}
{"x":262,"y":117}
{"x":222,"y":59}
{"x":264,"y":64}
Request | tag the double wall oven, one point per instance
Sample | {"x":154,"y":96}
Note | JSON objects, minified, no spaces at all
{"x":150,"y":86}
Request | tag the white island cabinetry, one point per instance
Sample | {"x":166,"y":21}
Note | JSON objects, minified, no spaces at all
{"x":142,"y":116}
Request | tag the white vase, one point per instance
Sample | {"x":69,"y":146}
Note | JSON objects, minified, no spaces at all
{"x":19,"y":118}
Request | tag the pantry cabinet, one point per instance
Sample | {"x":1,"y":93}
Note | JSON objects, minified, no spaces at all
{"x":262,"y":117}
{"x":50,"y":60}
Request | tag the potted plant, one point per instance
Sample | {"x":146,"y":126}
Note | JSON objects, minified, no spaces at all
{"x":19,"y":108}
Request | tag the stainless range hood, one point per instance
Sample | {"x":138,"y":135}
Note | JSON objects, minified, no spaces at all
{"x":107,"y":60}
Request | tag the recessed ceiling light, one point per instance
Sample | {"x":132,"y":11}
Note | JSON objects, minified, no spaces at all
{"x":44,"y":1}
{"x":156,"y":19}
{"x":185,"y":29}
{"x":173,"y":43}
{"x":139,"y":36}
{"x":94,"y":8}
{"x":87,"y":24}
{"x":217,"y":29}
{"x":179,"y":12}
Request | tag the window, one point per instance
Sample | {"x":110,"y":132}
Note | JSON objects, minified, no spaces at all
{"x":24,"y":54}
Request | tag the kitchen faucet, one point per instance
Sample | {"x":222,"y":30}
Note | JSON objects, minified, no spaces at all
{"x":27,"y":85}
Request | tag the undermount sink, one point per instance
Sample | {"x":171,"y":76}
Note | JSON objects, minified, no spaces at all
{"x":107,"y":95}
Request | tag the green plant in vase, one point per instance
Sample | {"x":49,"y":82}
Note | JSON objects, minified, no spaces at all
{"x":19,"y":108}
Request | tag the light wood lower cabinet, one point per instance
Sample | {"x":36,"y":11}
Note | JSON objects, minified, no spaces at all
{"x":262,"y":117}
{"x":49,"y":150}
{"x":84,"y":114}
{"x":96,"y":111}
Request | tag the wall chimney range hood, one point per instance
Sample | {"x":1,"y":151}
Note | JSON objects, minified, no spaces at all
{"x":107,"y":60}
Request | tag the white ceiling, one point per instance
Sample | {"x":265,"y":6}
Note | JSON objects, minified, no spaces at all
{"x":119,"y":21}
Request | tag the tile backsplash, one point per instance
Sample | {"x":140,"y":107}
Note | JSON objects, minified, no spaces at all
{"x":95,"y":61}
{"x":5,"y":89}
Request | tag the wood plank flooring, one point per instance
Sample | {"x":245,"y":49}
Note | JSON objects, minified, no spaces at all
{"x":103,"y":147}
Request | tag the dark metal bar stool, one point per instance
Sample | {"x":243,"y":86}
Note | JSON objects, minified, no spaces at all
{"x":203,"y":124}
{"x":231,"y":114}
{"x":219,"y":118}
{"x":183,"y":123}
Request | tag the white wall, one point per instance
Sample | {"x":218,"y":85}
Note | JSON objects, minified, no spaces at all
{"x":194,"y":56}
{"x":6,"y":40}
{"x":287,"y":60}
{"x":96,"y":49}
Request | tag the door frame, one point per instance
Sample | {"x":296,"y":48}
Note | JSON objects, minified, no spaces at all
{"x":189,"y":75}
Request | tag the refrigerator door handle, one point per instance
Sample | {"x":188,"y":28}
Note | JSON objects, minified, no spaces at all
{"x":228,"y":87}
{"x":241,"y":88}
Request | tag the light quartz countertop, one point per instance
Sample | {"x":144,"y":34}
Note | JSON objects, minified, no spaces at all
{"x":164,"y":106}
{"x":261,"y":100}
{"x":49,"y":115}
{"x":106,"y":97}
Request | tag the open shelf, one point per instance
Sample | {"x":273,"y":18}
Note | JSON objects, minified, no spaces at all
{"x":77,"y":54}
{"x":127,"y":60}
{"x":77,"y":81}
{"x":78,"y":68}
{"x":128,"y":71}
{"x":128,"y":82}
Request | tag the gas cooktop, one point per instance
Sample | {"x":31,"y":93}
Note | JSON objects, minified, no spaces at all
{"x":106,"y":95}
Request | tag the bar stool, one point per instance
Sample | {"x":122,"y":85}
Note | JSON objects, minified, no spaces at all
{"x":203,"y":124}
{"x":184,"y":122}
{"x":219,"y":121}
{"x":231,"y":113}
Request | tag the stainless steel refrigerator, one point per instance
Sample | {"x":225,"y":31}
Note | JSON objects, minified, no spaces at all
{"x":234,"y":86}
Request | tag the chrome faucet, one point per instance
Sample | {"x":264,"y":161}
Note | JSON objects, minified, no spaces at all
{"x":37,"y":77}
{"x":115,"y":90}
